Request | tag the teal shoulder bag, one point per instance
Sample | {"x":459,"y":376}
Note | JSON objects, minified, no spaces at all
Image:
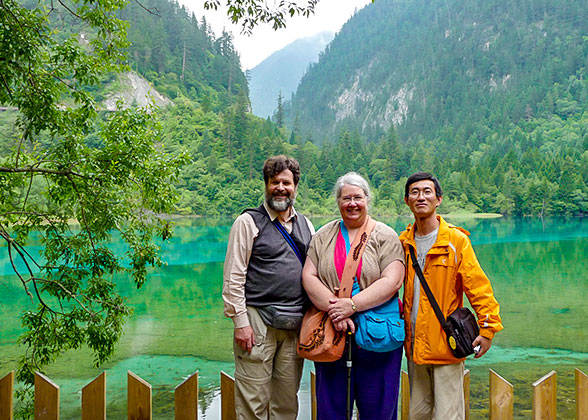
{"x":381,"y":328}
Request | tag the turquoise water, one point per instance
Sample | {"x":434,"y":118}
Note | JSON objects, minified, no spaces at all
{"x":537,"y":270}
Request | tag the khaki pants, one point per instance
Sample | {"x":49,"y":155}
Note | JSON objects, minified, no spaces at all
{"x":436,"y":392}
{"x":268,"y":378}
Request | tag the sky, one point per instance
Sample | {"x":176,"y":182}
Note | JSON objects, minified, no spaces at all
{"x":330,"y":15}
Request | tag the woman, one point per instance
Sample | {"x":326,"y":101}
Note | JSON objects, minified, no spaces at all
{"x":375,"y":376}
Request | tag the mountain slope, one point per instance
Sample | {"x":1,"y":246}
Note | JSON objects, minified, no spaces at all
{"x":180,"y":55}
{"x":282,"y":71}
{"x":423,"y":66}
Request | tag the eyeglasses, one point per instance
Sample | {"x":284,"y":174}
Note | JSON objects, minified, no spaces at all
{"x":416,"y":193}
{"x":355,"y":198}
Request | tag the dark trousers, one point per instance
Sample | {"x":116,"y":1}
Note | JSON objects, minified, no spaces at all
{"x":375,"y":382}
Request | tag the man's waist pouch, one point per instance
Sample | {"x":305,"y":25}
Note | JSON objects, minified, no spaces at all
{"x":282,"y":317}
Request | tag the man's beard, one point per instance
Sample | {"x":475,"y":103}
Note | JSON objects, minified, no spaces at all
{"x":279,"y":205}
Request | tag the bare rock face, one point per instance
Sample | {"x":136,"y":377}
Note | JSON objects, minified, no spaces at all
{"x":135,"y":91}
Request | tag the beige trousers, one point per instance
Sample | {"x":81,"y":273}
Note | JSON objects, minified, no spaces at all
{"x":436,"y":392}
{"x":268,"y":378}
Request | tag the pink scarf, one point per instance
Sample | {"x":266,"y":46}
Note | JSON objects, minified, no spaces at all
{"x":341,"y":256}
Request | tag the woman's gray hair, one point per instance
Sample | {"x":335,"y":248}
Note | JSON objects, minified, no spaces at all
{"x":355,"y":179}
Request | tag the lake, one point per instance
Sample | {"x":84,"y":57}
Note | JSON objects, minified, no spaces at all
{"x":537,"y":268}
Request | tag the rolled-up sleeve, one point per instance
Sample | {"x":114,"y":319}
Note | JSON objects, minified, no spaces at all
{"x":241,"y":238}
{"x":389,"y":247}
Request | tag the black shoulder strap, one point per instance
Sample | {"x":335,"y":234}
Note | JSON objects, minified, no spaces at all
{"x":288,"y":239}
{"x":434,"y":304}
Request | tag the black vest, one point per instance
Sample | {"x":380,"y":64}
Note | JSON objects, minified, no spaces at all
{"x":274,"y":273}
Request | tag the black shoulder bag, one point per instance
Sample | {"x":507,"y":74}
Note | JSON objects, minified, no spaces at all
{"x":460,"y":327}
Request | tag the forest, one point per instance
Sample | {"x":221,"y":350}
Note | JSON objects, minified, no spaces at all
{"x":517,"y":149}
{"x":491,"y":96}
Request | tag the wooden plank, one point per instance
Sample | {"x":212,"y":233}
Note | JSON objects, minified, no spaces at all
{"x":581,"y":395}
{"x":94,"y":399}
{"x":186,"y":399}
{"x":313,"y":414}
{"x":545,"y":397}
{"x":6,"y":396}
{"x":466,"y":393}
{"x":46,"y":398}
{"x":227,"y":397}
{"x":501,"y":398}
{"x":404,"y":395}
{"x":138,"y":398}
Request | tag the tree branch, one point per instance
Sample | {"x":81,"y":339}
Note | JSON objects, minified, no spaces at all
{"x":22,"y":280}
{"x":13,"y":244}
{"x":75,"y":187}
{"x":152,"y":11}
{"x":24,"y":202}
{"x":69,"y":10}
{"x":40,"y":170}
{"x":66,"y":290}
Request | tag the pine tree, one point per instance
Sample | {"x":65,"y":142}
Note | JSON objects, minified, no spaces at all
{"x":280,"y":111}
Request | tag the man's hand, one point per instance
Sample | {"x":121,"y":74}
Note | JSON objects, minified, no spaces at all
{"x":245,"y":338}
{"x":484,"y":343}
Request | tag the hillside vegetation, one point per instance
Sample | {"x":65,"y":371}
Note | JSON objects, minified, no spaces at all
{"x":493,"y":98}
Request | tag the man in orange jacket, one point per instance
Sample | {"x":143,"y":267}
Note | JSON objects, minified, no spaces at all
{"x":449,"y":264}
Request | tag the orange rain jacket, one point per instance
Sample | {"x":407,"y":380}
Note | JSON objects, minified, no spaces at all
{"x":451,"y":268}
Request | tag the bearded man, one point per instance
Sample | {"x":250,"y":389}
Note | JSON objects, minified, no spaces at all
{"x":263,"y":295}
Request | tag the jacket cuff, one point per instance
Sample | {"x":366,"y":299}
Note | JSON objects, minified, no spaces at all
{"x":486,"y":333}
{"x":241,"y":320}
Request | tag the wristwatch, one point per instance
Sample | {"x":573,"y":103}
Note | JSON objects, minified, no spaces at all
{"x":353,"y":305}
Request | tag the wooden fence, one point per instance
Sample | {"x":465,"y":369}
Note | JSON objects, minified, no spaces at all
{"x":139,"y":403}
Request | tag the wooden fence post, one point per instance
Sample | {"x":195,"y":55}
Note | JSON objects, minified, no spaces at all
{"x":227,"y":397}
{"x":501,"y":398}
{"x":94,"y":399}
{"x":404,"y":395}
{"x":545,"y":397}
{"x":313,"y":413}
{"x":186,"y":399}
{"x":466,"y":393}
{"x":46,"y":398}
{"x":6,"y":396}
{"x":138,"y":398}
{"x":581,"y":395}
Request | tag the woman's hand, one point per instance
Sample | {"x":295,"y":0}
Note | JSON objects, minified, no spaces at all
{"x":344,"y":325}
{"x":339,"y":309}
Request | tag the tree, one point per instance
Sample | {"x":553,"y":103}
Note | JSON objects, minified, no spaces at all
{"x":280,"y":112}
{"x":253,"y":12}
{"x":75,"y":196}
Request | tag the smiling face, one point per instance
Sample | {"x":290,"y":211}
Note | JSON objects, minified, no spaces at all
{"x":422,"y":199}
{"x":353,"y":206}
{"x":280,"y":191}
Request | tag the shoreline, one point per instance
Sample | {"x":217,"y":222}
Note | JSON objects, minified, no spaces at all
{"x":334,"y":215}
{"x":472,"y":215}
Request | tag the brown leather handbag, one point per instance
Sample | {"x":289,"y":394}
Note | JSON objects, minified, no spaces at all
{"x":318,"y":340}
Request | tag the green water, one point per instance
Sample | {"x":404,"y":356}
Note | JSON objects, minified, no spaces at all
{"x":538,"y":271}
